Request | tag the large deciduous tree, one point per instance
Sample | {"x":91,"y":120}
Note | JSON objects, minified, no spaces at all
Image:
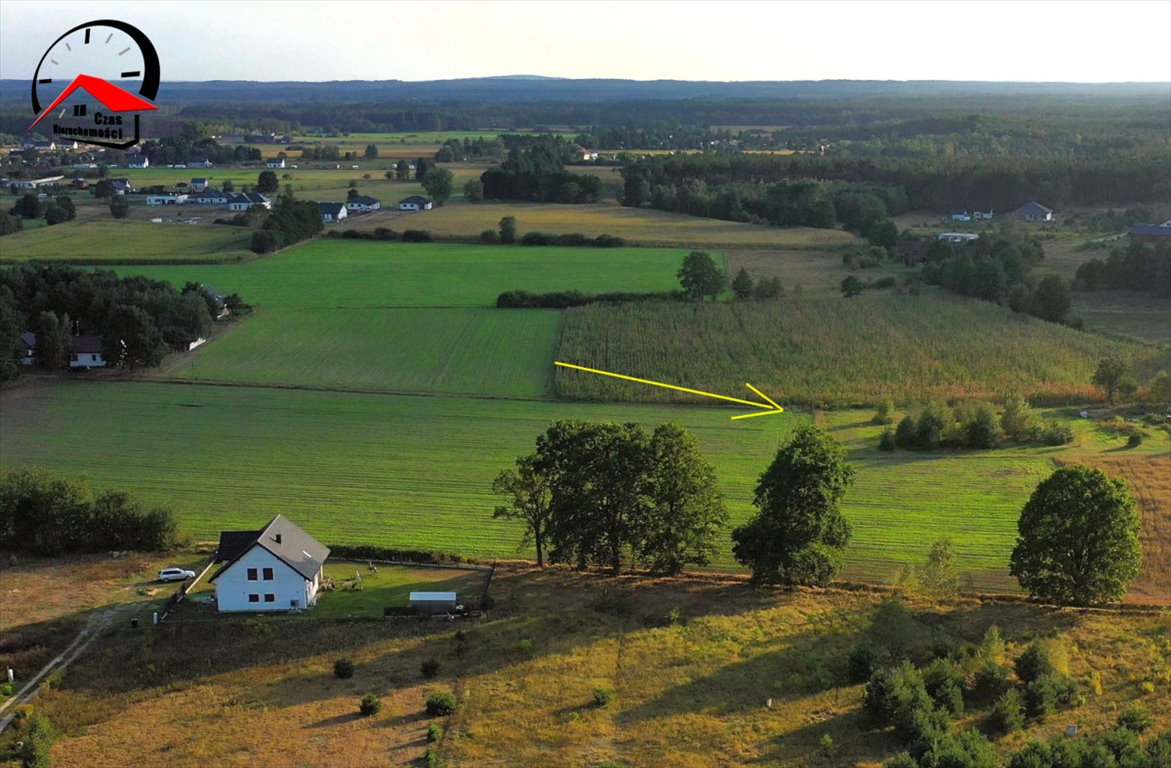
{"x":267,"y":182}
{"x":529,"y":500}
{"x":1078,"y":542}
{"x":700,"y":277}
{"x":1110,"y":373}
{"x":438,"y":184}
{"x":798,"y":534}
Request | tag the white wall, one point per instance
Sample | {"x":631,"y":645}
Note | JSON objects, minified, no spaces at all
{"x":232,"y":586}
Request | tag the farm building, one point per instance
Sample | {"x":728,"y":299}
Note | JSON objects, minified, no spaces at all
{"x":243,"y":202}
{"x":363,"y":204}
{"x":171,"y":199}
{"x":1034,"y":211}
{"x":274,"y":569}
{"x":433,"y":602}
{"x":1159,"y":233}
{"x":276,"y":162}
{"x":957,"y":237}
{"x":415,"y":203}
{"x":331,"y":213}
{"x":37,"y":183}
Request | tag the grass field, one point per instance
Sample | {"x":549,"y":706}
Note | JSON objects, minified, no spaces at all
{"x":460,"y":350}
{"x":108,"y":241}
{"x":415,"y":472}
{"x":834,"y":351}
{"x":362,"y":274}
{"x":640,"y":226}
{"x":688,"y":692}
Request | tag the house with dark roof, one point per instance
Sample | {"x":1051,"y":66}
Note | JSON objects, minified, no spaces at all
{"x":331,"y":213}
{"x":363,"y":204}
{"x":28,"y":342}
{"x":87,"y":352}
{"x":275,"y":162}
{"x":122,"y":186}
{"x":1158,"y":233}
{"x":210,"y":196}
{"x":415,"y":203}
{"x":1034,"y":211}
{"x":276,"y":568}
{"x":246,"y":200}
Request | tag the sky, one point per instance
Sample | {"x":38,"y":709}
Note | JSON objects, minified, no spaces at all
{"x":1070,"y":41}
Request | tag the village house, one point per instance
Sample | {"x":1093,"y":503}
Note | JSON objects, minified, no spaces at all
{"x":277,"y":568}
{"x":246,"y":200}
{"x":173,"y":198}
{"x":957,"y":237}
{"x":199,"y":184}
{"x":415,"y":203}
{"x":275,"y":162}
{"x":86,"y":353}
{"x":209,"y":196}
{"x":122,"y":186}
{"x":142,"y":161}
{"x":1034,"y":211}
{"x":38,"y":183}
{"x":1158,"y":233}
{"x":331,"y":213}
{"x":363,"y":204}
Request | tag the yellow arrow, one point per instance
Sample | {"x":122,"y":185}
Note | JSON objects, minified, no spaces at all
{"x":772,"y":407}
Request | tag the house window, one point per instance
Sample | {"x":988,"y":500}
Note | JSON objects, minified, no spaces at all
{"x":251,"y":574}
{"x":254,"y":598}
{"x":268,"y":574}
{"x":270,"y":598}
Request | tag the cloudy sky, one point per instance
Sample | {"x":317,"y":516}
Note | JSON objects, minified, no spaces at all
{"x":669,"y":39}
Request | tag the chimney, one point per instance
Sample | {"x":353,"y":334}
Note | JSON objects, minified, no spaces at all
{"x":276,"y":537}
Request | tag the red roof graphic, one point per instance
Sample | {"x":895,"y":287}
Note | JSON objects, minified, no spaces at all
{"x":109,"y":95}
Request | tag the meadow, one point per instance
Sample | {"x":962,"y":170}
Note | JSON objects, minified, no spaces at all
{"x":835,"y":351}
{"x":106,"y":241}
{"x":415,"y":472}
{"x":689,"y":664}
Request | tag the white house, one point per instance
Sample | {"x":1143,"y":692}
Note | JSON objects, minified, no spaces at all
{"x":211,"y":196}
{"x":957,"y":237}
{"x":36,"y":183}
{"x":274,"y":569}
{"x":331,"y":213}
{"x":87,"y":352}
{"x":170,"y":199}
{"x":122,"y":186}
{"x":1034,"y":211}
{"x":363,"y":204}
{"x":415,"y":203}
{"x":275,"y":162}
{"x":199,"y":184}
{"x":142,"y":161}
{"x":588,"y":155}
{"x":246,"y":200}
{"x":960,"y":216}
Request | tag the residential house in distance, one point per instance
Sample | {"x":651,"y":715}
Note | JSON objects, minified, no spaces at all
{"x":141,"y":161}
{"x":1034,"y":211}
{"x":28,"y":342}
{"x":588,"y":155}
{"x":1159,"y":233}
{"x":38,"y":183}
{"x":122,"y":186}
{"x":87,"y":352}
{"x":331,"y":213}
{"x":957,"y":237}
{"x":199,"y":184}
{"x":246,"y":200}
{"x":982,"y":215}
{"x":363,"y":204}
{"x":209,"y":196}
{"x":275,"y":162}
{"x":960,"y":216}
{"x":415,"y":203}
{"x":276,"y":568}
{"x":199,"y":162}
{"x":174,"y":198}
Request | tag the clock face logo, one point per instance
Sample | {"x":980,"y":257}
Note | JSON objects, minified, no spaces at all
{"x":94,"y":82}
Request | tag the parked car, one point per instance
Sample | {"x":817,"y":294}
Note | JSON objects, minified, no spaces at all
{"x":175,"y":574}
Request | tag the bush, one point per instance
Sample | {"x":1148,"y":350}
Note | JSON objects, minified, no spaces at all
{"x":890,"y":690}
{"x":441,"y":703}
{"x":887,"y":441}
{"x":864,"y":660}
{"x":382,"y":233}
{"x":370,"y":705}
{"x":1134,"y":441}
{"x":989,"y":682}
{"x":489,"y":236}
{"x":1134,"y":719}
{"x":944,"y":683}
{"x":1033,"y":663}
{"x":538,"y":238}
{"x":602,"y":697}
{"x":417,"y":236}
{"x":434,"y":733}
{"x":430,"y":667}
{"x":1008,"y":713}
{"x":38,"y":740}
{"x":1049,"y":693}
{"x":609,"y":241}
{"x":885,"y":413}
{"x":431,"y":758}
{"x":1056,"y":433}
{"x":343,"y":669}
{"x":905,"y":433}
{"x":901,"y":760}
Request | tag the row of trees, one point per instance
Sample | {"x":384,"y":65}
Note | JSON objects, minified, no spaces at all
{"x":1137,"y":267}
{"x":51,"y":515}
{"x":969,"y":424}
{"x":289,"y":222}
{"x":29,"y":206}
{"x":535,"y":170}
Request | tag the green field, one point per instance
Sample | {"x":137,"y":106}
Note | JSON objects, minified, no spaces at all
{"x":108,"y":241}
{"x":457,"y":351}
{"x":835,"y":351}
{"x":415,"y":472}
{"x":361,"y":274}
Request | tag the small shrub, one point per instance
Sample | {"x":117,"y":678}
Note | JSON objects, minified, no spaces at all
{"x":441,"y":704}
{"x":1056,"y":433}
{"x":1049,"y":693}
{"x":611,"y":602}
{"x":826,"y":745}
{"x":989,"y":682}
{"x":417,"y":236}
{"x":489,"y":236}
{"x":863,"y":661}
{"x":1134,"y":441}
{"x":1033,"y":663}
{"x":944,"y":683}
{"x":905,"y":436}
{"x":885,"y":413}
{"x":429,"y":667}
{"x":435,"y":733}
{"x":901,"y":760}
{"x":1134,"y":719}
{"x":602,"y":697}
{"x":370,"y":705}
{"x":1008,"y":713}
{"x":432,"y":758}
{"x":343,"y":669}
{"x":886,"y":441}
{"x":526,"y":645}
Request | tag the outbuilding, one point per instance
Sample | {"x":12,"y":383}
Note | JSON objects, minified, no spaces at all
{"x":433,"y":602}
{"x":415,"y":203}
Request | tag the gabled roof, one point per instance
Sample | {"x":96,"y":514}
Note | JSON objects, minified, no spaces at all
{"x":1032,"y":207}
{"x":1148,"y":230}
{"x":416,"y":199}
{"x":30,"y":339}
{"x":234,"y":543}
{"x":363,"y":200}
{"x":285,"y":541}
{"x":330,"y":208}
{"x":87,"y":344}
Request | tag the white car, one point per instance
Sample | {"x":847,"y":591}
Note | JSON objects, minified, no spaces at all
{"x":175,"y":574}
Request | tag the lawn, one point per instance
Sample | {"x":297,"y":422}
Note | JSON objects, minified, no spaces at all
{"x":390,"y":585}
{"x":416,"y":472}
{"x":106,"y":241}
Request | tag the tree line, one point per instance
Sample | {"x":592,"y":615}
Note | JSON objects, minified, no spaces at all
{"x":535,"y":171}
{"x":49,"y":514}
{"x":290,"y":221}
{"x":1138,"y":266}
